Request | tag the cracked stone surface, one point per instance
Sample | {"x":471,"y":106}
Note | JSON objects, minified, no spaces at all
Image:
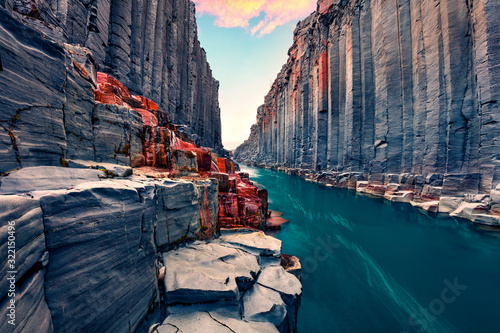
{"x":210,"y":322}
{"x":109,"y":225}
{"x":257,"y":243}
{"x":228,"y":280}
{"x":203,"y":273}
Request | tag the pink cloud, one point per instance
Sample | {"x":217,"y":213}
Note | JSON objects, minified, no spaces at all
{"x":238,"y":13}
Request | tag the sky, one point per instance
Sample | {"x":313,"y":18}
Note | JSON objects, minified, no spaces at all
{"x":247,"y":42}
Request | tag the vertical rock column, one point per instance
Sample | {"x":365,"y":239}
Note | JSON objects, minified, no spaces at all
{"x":390,"y":87}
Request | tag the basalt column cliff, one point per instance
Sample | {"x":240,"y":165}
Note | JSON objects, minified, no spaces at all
{"x":396,"y":91}
{"x":150,"y":46}
{"x":118,"y":209}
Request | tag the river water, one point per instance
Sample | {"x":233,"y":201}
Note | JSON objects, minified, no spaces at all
{"x":372,"y":266}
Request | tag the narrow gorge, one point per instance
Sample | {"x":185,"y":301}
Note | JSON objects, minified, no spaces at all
{"x":392,"y":98}
{"x":120,"y":209}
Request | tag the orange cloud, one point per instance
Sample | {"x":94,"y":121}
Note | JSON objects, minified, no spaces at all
{"x":238,"y":13}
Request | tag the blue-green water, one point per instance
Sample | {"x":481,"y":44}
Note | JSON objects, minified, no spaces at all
{"x":372,"y":266}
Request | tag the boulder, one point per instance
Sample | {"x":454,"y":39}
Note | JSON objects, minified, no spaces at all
{"x":207,"y":273}
{"x":288,"y":286}
{"x":223,"y":179}
{"x":265,"y":305}
{"x":430,"y":206}
{"x":400,"y":196}
{"x":178,"y":212}
{"x":185,"y":161}
{"x":292,"y":265}
{"x":468,"y":210}
{"x":449,"y":204}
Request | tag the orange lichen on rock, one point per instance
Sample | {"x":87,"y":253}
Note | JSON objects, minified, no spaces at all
{"x":242,"y":204}
{"x":167,"y":153}
{"x":324,"y":5}
{"x":110,"y":90}
{"x":147,"y":103}
{"x":148,"y":117}
{"x":225,"y":165}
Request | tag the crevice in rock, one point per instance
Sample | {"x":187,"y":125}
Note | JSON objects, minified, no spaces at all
{"x":219,"y":322}
{"x":169,"y":324}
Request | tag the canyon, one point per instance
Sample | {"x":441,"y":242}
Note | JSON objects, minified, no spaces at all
{"x":397,"y":99}
{"x":126,"y":214}
{"x":117,"y":198}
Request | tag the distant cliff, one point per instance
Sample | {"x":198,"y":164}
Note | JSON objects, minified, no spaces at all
{"x":388,"y":87}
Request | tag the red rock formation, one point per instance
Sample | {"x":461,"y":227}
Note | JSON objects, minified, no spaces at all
{"x":241,"y":204}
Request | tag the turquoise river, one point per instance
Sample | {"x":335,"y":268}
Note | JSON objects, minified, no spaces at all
{"x":372,"y":266}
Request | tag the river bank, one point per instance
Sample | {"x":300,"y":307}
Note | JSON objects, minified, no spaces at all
{"x":425,"y":192}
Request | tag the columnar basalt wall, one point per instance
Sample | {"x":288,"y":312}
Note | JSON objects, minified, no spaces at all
{"x":151,"y":46}
{"x":98,"y":185}
{"x":389,"y":87}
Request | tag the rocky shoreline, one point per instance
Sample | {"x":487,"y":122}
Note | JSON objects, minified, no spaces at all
{"x":122,"y":208}
{"x":433,"y":193}
{"x":397,"y":99}
{"x":133,"y":252}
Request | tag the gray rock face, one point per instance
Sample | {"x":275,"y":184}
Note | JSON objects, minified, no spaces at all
{"x":152,"y":47}
{"x":109,"y":227}
{"x":88,"y":248}
{"x":204,"y":273}
{"x":48,"y":109}
{"x":31,"y":311}
{"x":389,"y":87}
{"x":178,"y":212}
{"x":32,"y":85}
{"x":116,"y":132}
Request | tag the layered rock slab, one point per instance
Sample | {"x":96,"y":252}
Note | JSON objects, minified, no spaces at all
{"x":31,"y":310}
{"x":267,"y":248}
{"x":212,"y":322}
{"x":232,"y":282}
{"x":46,"y":178}
{"x":110,"y":228}
{"x":109,"y":225}
{"x":202,"y":273}
{"x":287,"y":285}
